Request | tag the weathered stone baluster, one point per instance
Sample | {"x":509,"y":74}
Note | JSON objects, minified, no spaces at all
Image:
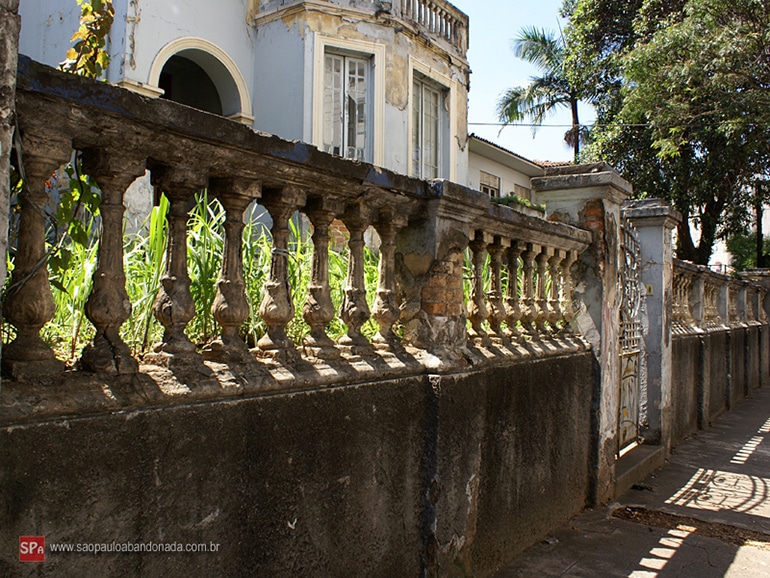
{"x":277,"y":307}
{"x":542,"y":301}
{"x":230,"y":307}
{"x":108,"y":305}
{"x":528,"y":309}
{"x":386,"y":307}
{"x":554,"y":270}
{"x":512,"y":299}
{"x":354,"y":310}
{"x":174,"y":307}
{"x":568,"y":312}
{"x":478,"y":311}
{"x":497,"y":312}
{"x":29,"y":302}
{"x":319,"y":309}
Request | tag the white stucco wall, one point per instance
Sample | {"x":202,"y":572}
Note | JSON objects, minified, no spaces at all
{"x":46,"y":29}
{"x":508,"y":176}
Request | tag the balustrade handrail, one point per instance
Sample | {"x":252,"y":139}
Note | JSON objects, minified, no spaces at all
{"x":120,"y":134}
{"x":703,"y":298}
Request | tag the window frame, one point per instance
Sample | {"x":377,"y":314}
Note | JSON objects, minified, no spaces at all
{"x":447,"y":154}
{"x":487,"y":184}
{"x":374,"y":53}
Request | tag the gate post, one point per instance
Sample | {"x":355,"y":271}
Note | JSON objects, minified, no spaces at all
{"x":655,"y":220}
{"x":589,"y":196}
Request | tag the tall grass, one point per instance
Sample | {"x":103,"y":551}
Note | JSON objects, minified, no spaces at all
{"x":144,"y":262}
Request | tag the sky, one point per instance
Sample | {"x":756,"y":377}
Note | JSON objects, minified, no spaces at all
{"x":494,"y":69}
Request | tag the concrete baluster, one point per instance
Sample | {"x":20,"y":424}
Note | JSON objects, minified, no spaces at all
{"x":29,"y":302}
{"x":554,"y":272}
{"x":567,"y":310}
{"x":319,"y":309}
{"x":108,"y":305}
{"x":497,"y":313}
{"x":355,"y":310}
{"x":277,"y":307}
{"x":230,"y":307}
{"x":386,"y":306}
{"x":512,"y":296}
{"x":478,"y":312}
{"x":528,"y":306}
{"x":174,"y":307}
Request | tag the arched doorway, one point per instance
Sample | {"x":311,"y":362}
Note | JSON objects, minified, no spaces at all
{"x":184,"y":81}
{"x":198,"y":73}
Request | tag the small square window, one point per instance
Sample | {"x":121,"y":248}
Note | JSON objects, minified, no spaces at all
{"x":490,"y":184}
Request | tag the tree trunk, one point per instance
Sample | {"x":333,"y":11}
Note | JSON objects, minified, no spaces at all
{"x":575,"y":129}
{"x":760,"y":237}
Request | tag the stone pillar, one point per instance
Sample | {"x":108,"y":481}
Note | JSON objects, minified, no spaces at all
{"x":589,"y":197}
{"x":429,"y":259}
{"x":9,"y":50}
{"x":654,"y":221}
{"x":354,"y":310}
{"x":386,"y":305}
{"x":318,"y":310}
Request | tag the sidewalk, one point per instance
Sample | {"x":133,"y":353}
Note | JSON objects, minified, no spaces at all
{"x":705,"y":514}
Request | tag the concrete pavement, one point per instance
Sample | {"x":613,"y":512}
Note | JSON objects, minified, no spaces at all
{"x":705,"y":514}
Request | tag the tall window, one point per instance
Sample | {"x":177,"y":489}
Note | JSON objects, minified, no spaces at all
{"x":346,"y":124}
{"x":490,"y":184}
{"x":426,"y":132}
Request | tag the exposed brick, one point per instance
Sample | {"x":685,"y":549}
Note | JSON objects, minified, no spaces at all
{"x":432,"y":308}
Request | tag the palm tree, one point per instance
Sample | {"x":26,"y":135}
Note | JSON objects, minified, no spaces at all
{"x":545,"y":93}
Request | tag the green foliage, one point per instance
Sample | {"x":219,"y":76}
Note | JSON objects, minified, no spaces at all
{"x":74,"y":221}
{"x":88,"y":57}
{"x":509,"y":200}
{"x":743,"y":250}
{"x":72,"y":266}
{"x":682,"y":102}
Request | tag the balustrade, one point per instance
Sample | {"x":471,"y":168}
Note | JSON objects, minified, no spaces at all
{"x":439,"y":18}
{"x":419,"y":273}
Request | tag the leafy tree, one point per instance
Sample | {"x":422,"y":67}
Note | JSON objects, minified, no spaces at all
{"x":691,"y":122}
{"x":545,"y":93}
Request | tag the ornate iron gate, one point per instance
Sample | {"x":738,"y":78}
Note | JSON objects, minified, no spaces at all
{"x":630,"y":336}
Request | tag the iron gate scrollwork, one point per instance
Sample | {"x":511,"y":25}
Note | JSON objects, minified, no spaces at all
{"x":630,"y":336}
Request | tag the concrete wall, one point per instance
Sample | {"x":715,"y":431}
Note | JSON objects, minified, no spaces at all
{"x":714,"y":370}
{"x":508,"y":176}
{"x":686,"y":383}
{"x":439,"y":475}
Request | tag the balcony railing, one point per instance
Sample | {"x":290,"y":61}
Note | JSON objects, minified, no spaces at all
{"x":438,"y":18}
